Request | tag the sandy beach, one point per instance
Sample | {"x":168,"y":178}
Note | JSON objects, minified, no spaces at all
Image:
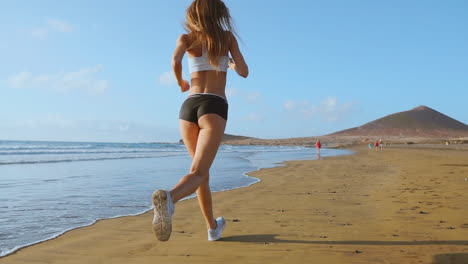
{"x":399,"y":205}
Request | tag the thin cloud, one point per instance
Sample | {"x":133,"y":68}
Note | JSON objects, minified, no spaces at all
{"x":254,"y":117}
{"x":230,"y":92}
{"x":57,"y":121}
{"x":329,"y":110}
{"x":56,"y":126}
{"x":84,"y":79}
{"x":52,"y":25}
{"x":304,"y":107}
{"x":249,"y":96}
{"x":19,"y":80}
{"x":40,"y":33}
{"x":59,"y":25}
{"x":290,"y":105}
{"x":253,"y":96}
{"x":167,"y":78}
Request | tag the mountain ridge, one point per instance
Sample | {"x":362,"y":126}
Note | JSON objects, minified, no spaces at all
{"x":419,"y":121}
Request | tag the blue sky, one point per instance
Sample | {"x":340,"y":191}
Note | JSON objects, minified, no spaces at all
{"x":100,"y":70}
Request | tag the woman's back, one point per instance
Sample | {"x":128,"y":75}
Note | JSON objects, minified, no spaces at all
{"x":208,"y":80}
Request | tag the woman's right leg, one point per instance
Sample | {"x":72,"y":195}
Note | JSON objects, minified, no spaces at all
{"x":189,"y":132}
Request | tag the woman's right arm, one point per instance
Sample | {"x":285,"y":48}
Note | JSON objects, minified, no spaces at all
{"x":237,"y":63}
{"x":181,"y":47}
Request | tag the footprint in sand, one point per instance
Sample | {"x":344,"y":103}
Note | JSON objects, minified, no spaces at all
{"x":143,"y":248}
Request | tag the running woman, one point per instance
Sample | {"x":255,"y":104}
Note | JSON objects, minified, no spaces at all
{"x":209,"y":41}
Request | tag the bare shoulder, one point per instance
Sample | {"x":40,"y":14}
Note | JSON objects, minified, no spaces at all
{"x":183,"y":39}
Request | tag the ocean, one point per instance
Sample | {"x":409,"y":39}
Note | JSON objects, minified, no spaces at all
{"x":48,"y":188}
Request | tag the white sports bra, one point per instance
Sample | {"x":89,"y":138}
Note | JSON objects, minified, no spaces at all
{"x":197,"y":64}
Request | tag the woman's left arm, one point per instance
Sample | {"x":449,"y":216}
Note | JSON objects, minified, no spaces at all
{"x":181,"y":47}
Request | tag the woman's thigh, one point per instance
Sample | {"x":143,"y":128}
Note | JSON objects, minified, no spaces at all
{"x":189,"y":132}
{"x":209,"y":138}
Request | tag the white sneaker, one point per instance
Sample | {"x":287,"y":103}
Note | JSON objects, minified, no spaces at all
{"x":215,"y":234}
{"x":163,"y":211}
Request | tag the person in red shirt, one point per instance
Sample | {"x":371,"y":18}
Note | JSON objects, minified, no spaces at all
{"x":318,"y":145}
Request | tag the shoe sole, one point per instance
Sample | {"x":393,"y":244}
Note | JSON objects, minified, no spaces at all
{"x":162,"y":226}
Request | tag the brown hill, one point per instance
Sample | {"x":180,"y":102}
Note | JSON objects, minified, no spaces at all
{"x":421,"y":121}
{"x":228,"y":137}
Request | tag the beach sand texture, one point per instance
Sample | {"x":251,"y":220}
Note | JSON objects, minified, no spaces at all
{"x":391,"y":206}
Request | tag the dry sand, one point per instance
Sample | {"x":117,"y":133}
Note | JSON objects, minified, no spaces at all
{"x":391,"y":206}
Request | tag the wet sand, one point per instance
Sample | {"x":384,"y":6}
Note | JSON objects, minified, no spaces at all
{"x":399,"y":205}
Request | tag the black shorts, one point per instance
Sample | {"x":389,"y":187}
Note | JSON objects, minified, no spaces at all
{"x":197,"y":105}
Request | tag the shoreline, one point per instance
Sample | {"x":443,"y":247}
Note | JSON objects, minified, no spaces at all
{"x":144,"y":249}
{"x":55,"y":236}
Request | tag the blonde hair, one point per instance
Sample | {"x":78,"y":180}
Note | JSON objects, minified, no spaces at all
{"x":207,"y":23}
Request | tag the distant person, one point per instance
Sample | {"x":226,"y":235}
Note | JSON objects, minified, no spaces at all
{"x":380,"y":144}
{"x":369,"y":146}
{"x":318,"y":145}
{"x":203,"y":115}
{"x":376,"y":144}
